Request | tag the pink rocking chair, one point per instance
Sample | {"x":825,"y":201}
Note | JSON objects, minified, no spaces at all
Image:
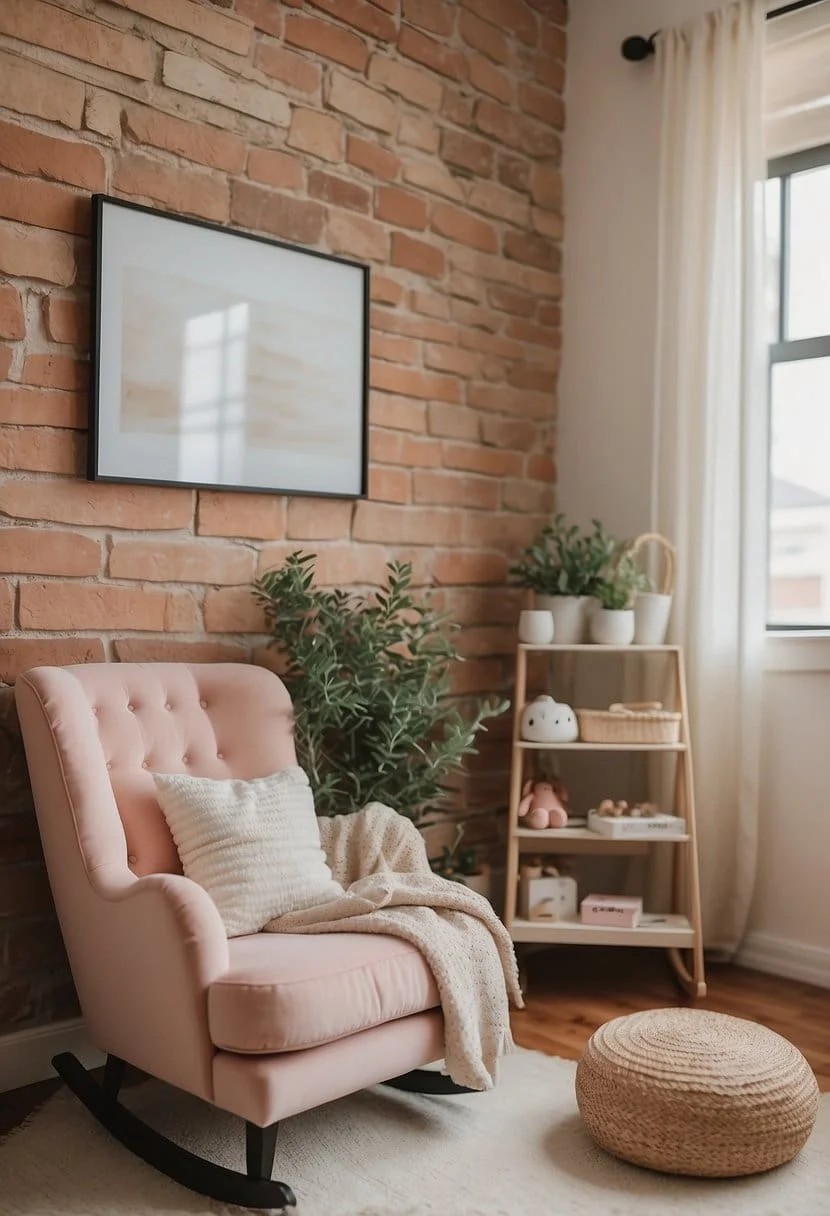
{"x":263,"y":1026}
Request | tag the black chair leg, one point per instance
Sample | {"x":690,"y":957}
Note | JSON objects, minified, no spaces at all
{"x":114,"y":1071}
{"x":260,"y":1145}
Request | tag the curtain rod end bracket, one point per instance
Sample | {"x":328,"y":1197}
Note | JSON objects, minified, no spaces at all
{"x":637,"y":48}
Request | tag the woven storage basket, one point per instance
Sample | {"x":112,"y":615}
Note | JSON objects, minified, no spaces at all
{"x":686,"y":1091}
{"x":632,"y":722}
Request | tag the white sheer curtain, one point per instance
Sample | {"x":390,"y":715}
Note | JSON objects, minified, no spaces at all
{"x":710,"y":403}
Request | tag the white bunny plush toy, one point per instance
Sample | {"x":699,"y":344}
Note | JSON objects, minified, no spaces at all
{"x":547,"y":721}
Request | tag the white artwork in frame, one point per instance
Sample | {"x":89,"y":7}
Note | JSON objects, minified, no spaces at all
{"x":225,"y":360}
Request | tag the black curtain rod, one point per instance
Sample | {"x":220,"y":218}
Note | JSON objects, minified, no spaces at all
{"x":636,"y":48}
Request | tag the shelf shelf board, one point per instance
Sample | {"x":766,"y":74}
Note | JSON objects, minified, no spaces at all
{"x":583,"y":840}
{"x":600,"y":747}
{"x":597,"y":647}
{"x":665,"y":931}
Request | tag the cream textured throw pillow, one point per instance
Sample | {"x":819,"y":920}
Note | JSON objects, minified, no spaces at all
{"x":253,"y":845}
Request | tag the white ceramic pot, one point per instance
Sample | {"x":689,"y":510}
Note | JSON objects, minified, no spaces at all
{"x":651,"y":618}
{"x":536,"y":627}
{"x":570,"y":616}
{"x":613,"y":626}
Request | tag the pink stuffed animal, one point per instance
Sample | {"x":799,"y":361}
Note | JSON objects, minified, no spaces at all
{"x":544,"y":804}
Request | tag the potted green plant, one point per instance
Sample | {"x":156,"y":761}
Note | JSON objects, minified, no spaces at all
{"x":563,"y":567}
{"x":463,"y":865}
{"x":370,"y":678}
{"x":612,"y":621}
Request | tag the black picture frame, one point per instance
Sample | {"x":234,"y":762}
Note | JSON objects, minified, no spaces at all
{"x":142,"y":422}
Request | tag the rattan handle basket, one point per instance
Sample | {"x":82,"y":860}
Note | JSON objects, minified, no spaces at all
{"x":669,"y":555}
{"x":629,"y":722}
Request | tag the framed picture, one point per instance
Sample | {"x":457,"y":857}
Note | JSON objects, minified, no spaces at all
{"x":225,"y":360}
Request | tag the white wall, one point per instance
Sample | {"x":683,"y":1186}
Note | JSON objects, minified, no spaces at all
{"x":605,"y":429}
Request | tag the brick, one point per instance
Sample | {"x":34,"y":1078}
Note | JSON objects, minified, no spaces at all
{"x":379,"y":162}
{"x":400,"y":413}
{"x":55,"y":371}
{"x":196,"y":561}
{"x":414,"y":327}
{"x":458,"y":108}
{"x":496,"y":398}
{"x":399,"y":207}
{"x":6,"y":356}
{"x":66,"y":320}
{"x":429,"y":303}
{"x":518,"y":303}
{"x":64,"y":606}
{"x":265,"y":14}
{"x":186,"y":191}
{"x":473,"y":459}
{"x":48,"y":551}
{"x":514,"y":172}
{"x":172,"y":650}
{"x":362,"y":16}
{"x":34,"y":254}
{"x":250,"y":516}
{"x":318,"y":519}
{"x":432,"y":53}
{"x":61,"y":160}
{"x":390,"y":485}
{"x":41,"y":451}
{"x":438,"y":16}
{"x":43,"y":204}
{"x":416,"y":86}
{"x":526,"y":496}
{"x":400,"y":525}
{"x":386,"y":290}
{"x":6,"y":605}
{"x":417,"y":255}
{"x":346,"y":565}
{"x":368,"y":106}
{"x":458,"y":567}
{"x":512,"y":15}
{"x":541,"y":467}
{"x":319,"y":134}
{"x":194,"y":141}
{"x":36,"y":407}
{"x":97,"y":504}
{"x":35,"y":22}
{"x":488,"y":79}
{"x":549,"y":73}
{"x":442,"y":358}
{"x":554,"y":41}
{"x":12,"y":321}
{"x":483,"y":36}
{"x":452,"y":421}
{"x":542,"y":103}
{"x":18,"y":655}
{"x":539,"y":379}
{"x":394,"y":349}
{"x":458,"y":225}
{"x":274,"y":168}
{"x":329,"y":41}
{"x":526,"y":331}
{"x":289,"y":68}
{"x":357,"y":237}
{"x":410,"y":383}
{"x":27,"y":88}
{"x":546,"y":187}
{"x":436,"y":488}
{"x":533,"y":249}
{"x":339,"y":191}
{"x":291,"y":218}
{"x":202,"y":80}
{"x":549,"y":313}
{"x":419,"y":132}
{"x":548,"y":223}
{"x":233,"y":610}
{"x":220,"y":29}
{"x":500,"y":202}
{"x":517,"y":130}
{"x":516,"y":433}
{"x":102,"y":113}
{"x":433,"y":178}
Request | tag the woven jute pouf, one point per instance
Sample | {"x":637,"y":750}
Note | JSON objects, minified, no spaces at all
{"x":687,"y":1091}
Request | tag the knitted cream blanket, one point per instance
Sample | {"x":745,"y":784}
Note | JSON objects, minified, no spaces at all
{"x":379,"y":857}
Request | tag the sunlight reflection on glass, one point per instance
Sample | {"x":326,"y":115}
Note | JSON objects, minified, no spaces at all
{"x":212,"y":406}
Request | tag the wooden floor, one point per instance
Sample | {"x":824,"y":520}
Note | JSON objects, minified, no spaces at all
{"x":571,"y":991}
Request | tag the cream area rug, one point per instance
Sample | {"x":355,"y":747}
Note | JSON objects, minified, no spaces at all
{"x":518,"y":1150}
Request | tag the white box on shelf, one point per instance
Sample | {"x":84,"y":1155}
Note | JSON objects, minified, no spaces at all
{"x":547,"y":898}
{"x":623,"y":911}
{"x":624,"y":826}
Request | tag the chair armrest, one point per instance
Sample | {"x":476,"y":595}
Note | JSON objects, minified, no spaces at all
{"x":156,"y":945}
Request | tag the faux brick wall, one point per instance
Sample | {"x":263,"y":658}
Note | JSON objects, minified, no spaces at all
{"x":422,"y":136}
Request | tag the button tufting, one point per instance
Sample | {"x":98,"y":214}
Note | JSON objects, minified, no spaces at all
{"x":95,"y":710}
{"x":109,"y":764}
{"x":144,"y":764}
{"x":167,"y":705}
{"x":131,"y":858}
{"x":203,"y":704}
{"x":185,"y":759}
{"x":131,"y":707}
{"x":220,"y":755}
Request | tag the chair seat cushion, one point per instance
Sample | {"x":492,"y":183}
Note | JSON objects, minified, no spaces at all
{"x":285,"y":992}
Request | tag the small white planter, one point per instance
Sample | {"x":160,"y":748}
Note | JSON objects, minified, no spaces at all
{"x":612,"y":626}
{"x":536,"y":627}
{"x":570,"y":616}
{"x":651,"y":618}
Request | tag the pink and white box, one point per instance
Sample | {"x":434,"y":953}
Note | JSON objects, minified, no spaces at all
{"x":622,"y":911}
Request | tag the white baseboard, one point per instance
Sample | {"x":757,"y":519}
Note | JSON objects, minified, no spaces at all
{"x":26,"y":1055}
{"x":780,"y":956}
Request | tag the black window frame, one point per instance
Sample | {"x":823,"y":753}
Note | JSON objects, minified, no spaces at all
{"x":789,"y":350}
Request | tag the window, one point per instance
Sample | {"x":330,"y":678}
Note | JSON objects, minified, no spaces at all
{"x":798,"y":312}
